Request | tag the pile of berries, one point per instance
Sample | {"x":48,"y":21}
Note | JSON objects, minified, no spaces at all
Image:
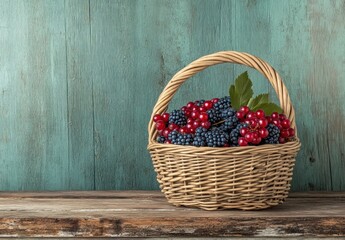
{"x":214,"y":123}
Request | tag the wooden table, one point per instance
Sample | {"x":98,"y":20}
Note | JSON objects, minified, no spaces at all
{"x":147,"y":214}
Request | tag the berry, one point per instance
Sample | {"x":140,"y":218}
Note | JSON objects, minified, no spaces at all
{"x":273,"y":136}
{"x":242,"y":142}
{"x":190,"y":105}
{"x":160,"y":125}
{"x":282,"y":140}
{"x":165,"y":117}
{"x":213,"y":115}
{"x":178,"y":117}
{"x":240,"y":115}
{"x":195,"y":114}
{"x":244,"y":109}
{"x":202,"y":109}
{"x":157,"y":117}
{"x":263,"y":132}
{"x":244,"y":131}
{"x":260,"y":113}
{"x":285,"y":123}
{"x":256,"y":141}
{"x":291,"y":132}
{"x":166,"y":132}
{"x":282,"y":116}
{"x":222,"y":104}
{"x":208,"y":105}
{"x":196,"y":123}
{"x":231,"y":120}
{"x":183,"y":130}
{"x":214,"y":100}
{"x":251,"y":115}
{"x":228,"y":113}
{"x":235,"y":134}
{"x":275,"y":115}
{"x":206,"y":125}
{"x":180,"y":139}
{"x":284,"y":133}
{"x":173,"y":126}
{"x":199,"y":138}
{"x":216,"y":138}
{"x":199,"y":103}
{"x":249,"y":137}
{"x":263,"y":122}
{"x":203,"y":116}
{"x":161,"y":139}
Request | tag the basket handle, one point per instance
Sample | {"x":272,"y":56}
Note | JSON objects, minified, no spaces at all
{"x":218,"y":58}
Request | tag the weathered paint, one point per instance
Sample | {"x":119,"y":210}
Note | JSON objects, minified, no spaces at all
{"x":78,"y":80}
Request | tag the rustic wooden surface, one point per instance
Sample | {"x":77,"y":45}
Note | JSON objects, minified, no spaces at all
{"x":147,"y":214}
{"x":78,"y":80}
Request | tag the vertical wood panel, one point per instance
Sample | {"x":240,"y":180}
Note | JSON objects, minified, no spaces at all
{"x":34,"y":137}
{"x":78,"y":81}
{"x":80,"y":98}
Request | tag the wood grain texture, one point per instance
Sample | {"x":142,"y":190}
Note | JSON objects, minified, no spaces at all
{"x":147,"y":214}
{"x":78,"y":81}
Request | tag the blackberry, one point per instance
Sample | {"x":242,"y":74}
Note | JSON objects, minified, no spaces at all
{"x":273,"y":136}
{"x":199,"y":138}
{"x":235,"y":134}
{"x":216,"y":138}
{"x":231,"y":121}
{"x":161,"y":139}
{"x":213,"y":116}
{"x":178,"y":117}
{"x":180,"y":139}
{"x":222,"y":104}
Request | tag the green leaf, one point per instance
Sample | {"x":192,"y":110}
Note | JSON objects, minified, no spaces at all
{"x":235,"y":100}
{"x":243,"y":87}
{"x":269,"y":108}
{"x":258,"y":100}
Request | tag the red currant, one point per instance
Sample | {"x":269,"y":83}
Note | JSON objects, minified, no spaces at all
{"x":214,"y":100}
{"x":194,"y":114}
{"x":190,"y":120}
{"x":249,"y":137}
{"x":269,"y":119}
{"x":240,"y":115}
{"x":254,"y":123}
{"x":291,"y":132}
{"x":208,"y":104}
{"x":202,"y":109}
{"x":263,"y":122}
{"x":285,"y":123}
{"x":260,"y":113}
{"x":184,"y":108}
{"x":285,"y":133}
{"x":167,"y":142}
{"x":282,"y":116}
{"x":244,"y":109}
{"x":206,"y":125}
{"x":196,"y":123}
{"x":282,"y":140}
{"x":226,"y":145}
{"x":242,"y":142}
{"x":165,"y":117}
{"x":251,"y":115}
{"x":189,"y":125}
{"x":173,"y":126}
{"x":203,"y":116}
{"x":275,"y":115}
{"x":160,"y":125}
{"x":244,"y":131}
{"x":256,"y":141}
{"x":190,"y":105}
{"x":195,"y":109}
{"x":157,"y":117}
{"x":184,"y":130}
{"x":276,"y":122}
{"x":263,"y":132}
{"x":166,"y":132}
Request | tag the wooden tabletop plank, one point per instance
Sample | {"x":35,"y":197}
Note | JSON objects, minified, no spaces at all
{"x":148,"y":214}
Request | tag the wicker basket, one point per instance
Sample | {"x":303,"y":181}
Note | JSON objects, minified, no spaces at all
{"x":253,"y":177}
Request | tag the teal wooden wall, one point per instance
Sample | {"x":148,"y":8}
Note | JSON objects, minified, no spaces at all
{"x":78,"y":80}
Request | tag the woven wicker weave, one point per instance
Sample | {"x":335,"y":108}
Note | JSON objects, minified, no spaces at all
{"x":253,"y":177}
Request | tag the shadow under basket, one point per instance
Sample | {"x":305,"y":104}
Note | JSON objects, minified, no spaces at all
{"x":247,"y":178}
